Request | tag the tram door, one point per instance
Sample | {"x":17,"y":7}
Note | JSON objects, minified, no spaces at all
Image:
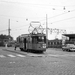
{"x":34,"y":42}
{"x":25,"y":43}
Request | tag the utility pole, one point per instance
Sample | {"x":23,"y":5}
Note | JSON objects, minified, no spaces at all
{"x":9,"y":27}
{"x":46,"y":31}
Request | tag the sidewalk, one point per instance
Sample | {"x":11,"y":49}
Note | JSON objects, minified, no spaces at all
{"x":11,"y":48}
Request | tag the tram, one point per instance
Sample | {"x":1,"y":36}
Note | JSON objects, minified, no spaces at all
{"x":35,"y":42}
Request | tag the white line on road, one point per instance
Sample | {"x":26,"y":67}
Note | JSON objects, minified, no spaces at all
{"x":10,"y":55}
{"x":20,"y":55}
{"x":37,"y":55}
{"x":58,"y":55}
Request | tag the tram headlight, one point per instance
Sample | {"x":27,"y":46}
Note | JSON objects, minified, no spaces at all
{"x":44,"y":45}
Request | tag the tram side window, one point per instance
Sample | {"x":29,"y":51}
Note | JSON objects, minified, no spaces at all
{"x":21,"y":40}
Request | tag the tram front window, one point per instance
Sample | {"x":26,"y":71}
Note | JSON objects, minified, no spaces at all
{"x":41,"y":39}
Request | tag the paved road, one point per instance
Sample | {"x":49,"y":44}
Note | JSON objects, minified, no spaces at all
{"x":52,"y":62}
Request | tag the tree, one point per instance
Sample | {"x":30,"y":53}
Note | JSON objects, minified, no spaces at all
{"x":4,"y":38}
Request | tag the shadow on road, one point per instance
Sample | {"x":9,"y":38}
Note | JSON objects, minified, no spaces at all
{"x":23,"y":52}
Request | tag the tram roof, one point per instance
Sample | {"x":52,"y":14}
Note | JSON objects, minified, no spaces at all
{"x":25,"y":35}
{"x":69,"y":35}
{"x":39,"y":34}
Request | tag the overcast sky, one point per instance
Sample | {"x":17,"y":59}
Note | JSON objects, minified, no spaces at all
{"x":60,"y":13}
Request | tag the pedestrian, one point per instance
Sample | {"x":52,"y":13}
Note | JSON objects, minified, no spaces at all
{"x":6,"y":45}
{"x":15,"y":46}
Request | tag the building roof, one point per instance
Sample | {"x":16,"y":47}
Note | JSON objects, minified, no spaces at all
{"x":69,"y":35}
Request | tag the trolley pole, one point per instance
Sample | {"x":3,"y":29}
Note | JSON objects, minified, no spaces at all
{"x":46,"y":31}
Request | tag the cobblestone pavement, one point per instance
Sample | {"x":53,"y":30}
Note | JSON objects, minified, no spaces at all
{"x":22,"y":63}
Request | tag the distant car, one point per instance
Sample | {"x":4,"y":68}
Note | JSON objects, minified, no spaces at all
{"x":69,"y":47}
{"x":68,"y":42}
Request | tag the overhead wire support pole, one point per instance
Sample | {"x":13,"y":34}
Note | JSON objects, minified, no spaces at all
{"x":46,"y":31}
{"x":9,"y":27}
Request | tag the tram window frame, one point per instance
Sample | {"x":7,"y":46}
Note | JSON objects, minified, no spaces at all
{"x":41,"y":39}
{"x":21,"y":40}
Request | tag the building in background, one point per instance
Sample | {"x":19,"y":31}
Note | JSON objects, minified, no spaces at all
{"x":56,"y":43}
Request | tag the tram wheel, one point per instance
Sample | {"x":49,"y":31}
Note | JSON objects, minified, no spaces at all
{"x":25,"y":50}
{"x":63,"y":49}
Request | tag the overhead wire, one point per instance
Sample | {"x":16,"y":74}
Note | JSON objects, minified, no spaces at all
{"x":62,"y":20}
{"x":59,"y":14}
{"x":3,"y":30}
{"x":28,"y":3}
{"x":43,"y":19}
{"x":15,"y":2}
{"x":41,"y":4}
{"x":19,"y":27}
{"x":48,"y":18}
{"x":13,"y":16}
{"x":14,"y":28}
{"x":35,"y":4}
